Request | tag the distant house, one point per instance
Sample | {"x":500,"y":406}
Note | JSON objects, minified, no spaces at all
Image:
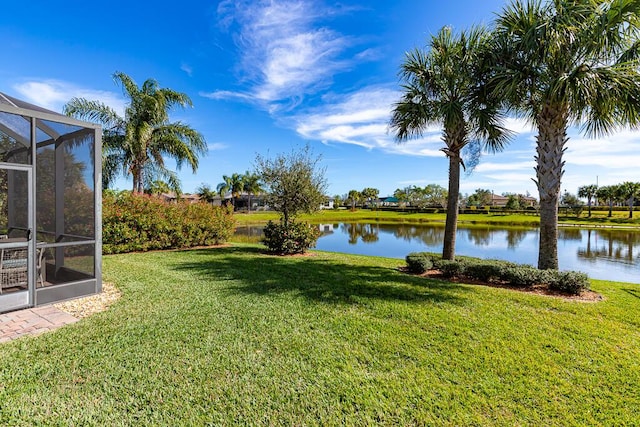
{"x":328,"y":204}
{"x":388,"y":201}
{"x":501,"y":201}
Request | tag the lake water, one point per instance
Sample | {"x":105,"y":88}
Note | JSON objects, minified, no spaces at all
{"x":603,"y":253}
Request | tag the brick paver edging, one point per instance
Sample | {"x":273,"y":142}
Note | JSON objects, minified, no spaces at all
{"x":32,"y":321}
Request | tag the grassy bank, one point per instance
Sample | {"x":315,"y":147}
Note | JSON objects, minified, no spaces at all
{"x":231,"y":336}
{"x":499,"y":219}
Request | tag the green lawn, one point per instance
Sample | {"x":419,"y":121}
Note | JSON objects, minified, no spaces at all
{"x":598,"y":219}
{"x":230,"y":336}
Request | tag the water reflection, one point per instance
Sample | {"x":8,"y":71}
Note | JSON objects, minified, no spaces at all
{"x":604,"y":253}
{"x":617,"y":246}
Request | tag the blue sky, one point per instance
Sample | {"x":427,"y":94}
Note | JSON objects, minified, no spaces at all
{"x":268,"y":76}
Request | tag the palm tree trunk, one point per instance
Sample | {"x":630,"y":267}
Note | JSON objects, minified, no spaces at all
{"x":451,"y":226}
{"x":552,"y":136}
{"x":610,"y":207}
{"x":631,"y":207}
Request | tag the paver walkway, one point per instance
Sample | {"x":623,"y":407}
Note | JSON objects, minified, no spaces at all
{"x":32,"y":321}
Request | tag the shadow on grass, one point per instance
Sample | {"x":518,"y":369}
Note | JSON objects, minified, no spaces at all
{"x":317,"y":278}
{"x":632,"y":292}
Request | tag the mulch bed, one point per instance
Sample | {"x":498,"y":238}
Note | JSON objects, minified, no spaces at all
{"x":584,"y":296}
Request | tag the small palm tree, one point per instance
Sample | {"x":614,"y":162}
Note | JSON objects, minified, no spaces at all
{"x":138,"y":143}
{"x":588,"y":192}
{"x":252,"y":186}
{"x":608,"y":193}
{"x":444,"y":86}
{"x":628,"y":191}
{"x":157,"y":187}
{"x":562,"y":63}
{"x":354,"y":197}
{"x":206,"y":194}
{"x":233,"y":184}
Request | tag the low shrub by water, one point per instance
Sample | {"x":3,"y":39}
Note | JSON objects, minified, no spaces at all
{"x":293,"y":238}
{"x":143,"y":223}
{"x":504,"y":272}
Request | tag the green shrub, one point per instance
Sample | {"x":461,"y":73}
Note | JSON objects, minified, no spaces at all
{"x":516,"y":275}
{"x":485,"y":270}
{"x":143,"y":223}
{"x":451,"y":268}
{"x":523,"y":276}
{"x":570,"y":282}
{"x":295,"y":238}
{"x":419,"y":262}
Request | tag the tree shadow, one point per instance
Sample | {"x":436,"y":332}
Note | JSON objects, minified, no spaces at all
{"x":633,"y":292}
{"x":317,"y":278}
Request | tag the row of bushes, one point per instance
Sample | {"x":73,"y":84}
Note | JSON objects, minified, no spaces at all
{"x":143,"y":223}
{"x":504,"y":272}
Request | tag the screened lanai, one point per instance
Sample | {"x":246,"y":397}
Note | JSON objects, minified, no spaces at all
{"x":50,"y":206}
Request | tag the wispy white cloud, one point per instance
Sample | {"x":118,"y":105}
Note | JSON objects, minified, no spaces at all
{"x":217,"y":146}
{"x":286,"y":53}
{"x":53,"y":94}
{"x":187,"y":68}
{"x":489,"y":167}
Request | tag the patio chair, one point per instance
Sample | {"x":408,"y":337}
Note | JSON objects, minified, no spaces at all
{"x":13,"y":267}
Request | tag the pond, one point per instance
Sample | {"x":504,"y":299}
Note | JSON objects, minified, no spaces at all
{"x":607,"y":254}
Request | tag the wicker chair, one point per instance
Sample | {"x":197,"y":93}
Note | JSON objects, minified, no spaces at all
{"x":13,"y":268}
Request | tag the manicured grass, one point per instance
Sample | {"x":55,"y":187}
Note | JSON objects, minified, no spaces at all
{"x":365,"y":215}
{"x":230,"y":336}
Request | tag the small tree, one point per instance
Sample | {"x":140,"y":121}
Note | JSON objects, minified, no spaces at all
{"x":252,"y":186}
{"x":481,"y":197}
{"x":608,"y":193}
{"x":353,"y":198}
{"x":206,"y":194}
{"x":513,"y":202}
{"x":588,"y":192}
{"x":294,"y":184}
{"x":627,"y":191}
{"x":370,"y":195}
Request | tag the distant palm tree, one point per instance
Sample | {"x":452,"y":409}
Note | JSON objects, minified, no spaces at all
{"x":354,"y":197}
{"x":137,"y":143}
{"x":444,"y":87}
{"x":233,"y":184}
{"x":157,"y":187}
{"x":608,"y":193}
{"x":252,"y":185}
{"x":206,"y":194}
{"x":562,"y":63}
{"x":628,"y":191}
{"x":588,"y":192}
{"x":370,"y":195}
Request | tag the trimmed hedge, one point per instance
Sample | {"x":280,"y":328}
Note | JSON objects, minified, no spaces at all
{"x":144,"y":223}
{"x":419,"y":262}
{"x":512,"y":274}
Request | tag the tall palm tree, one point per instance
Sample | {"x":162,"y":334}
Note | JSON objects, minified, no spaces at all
{"x":588,"y":192}
{"x":444,"y":86}
{"x":138,"y":143}
{"x":563,"y":63}
{"x":628,"y":191}
{"x":233,"y":184}
{"x":252,"y":186}
{"x":608,"y":193}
